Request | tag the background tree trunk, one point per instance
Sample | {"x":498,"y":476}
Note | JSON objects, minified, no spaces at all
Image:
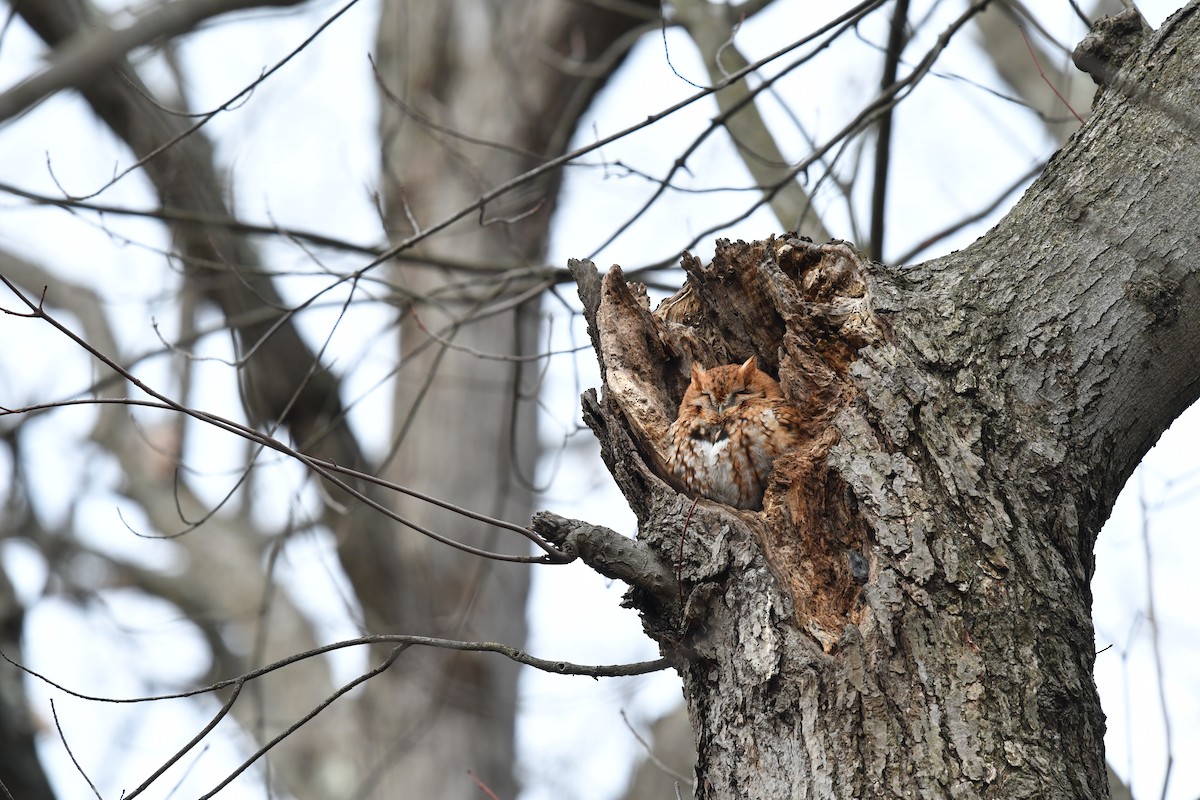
{"x":909,"y":615}
{"x":474,"y":93}
{"x":515,"y":77}
{"x":20,"y":771}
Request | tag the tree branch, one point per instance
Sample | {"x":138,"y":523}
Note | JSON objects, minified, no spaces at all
{"x":608,"y":552}
{"x":555,"y":666}
{"x":79,"y":60}
{"x":897,"y":39}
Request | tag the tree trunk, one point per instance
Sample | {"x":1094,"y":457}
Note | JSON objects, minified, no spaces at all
{"x":909,"y":616}
{"x":473,"y":95}
{"x":21,"y":774}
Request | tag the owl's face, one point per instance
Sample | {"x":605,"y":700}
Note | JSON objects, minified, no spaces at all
{"x":722,"y":395}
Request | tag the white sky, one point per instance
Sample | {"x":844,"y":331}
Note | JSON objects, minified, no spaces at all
{"x":958,"y":145}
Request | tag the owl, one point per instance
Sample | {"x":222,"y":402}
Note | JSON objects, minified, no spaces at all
{"x":732,"y":423}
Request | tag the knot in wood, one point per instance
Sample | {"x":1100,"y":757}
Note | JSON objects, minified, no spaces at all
{"x":1109,"y":44}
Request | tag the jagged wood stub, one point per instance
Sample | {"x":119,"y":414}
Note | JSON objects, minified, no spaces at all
{"x":803,"y":310}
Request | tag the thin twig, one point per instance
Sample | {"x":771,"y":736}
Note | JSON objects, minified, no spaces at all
{"x":62,"y":737}
{"x":226,"y":707}
{"x":85,"y":56}
{"x":326,"y":469}
{"x":462,"y":348}
{"x":845,"y":22}
{"x":679,"y":559}
{"x":295,"y":726}
{"x":1049,"y":83}
{"x":1152,"y":618}
{"x":955,"y":227}
{"x":483,"y":787}
{"x":186,"y":772}
{"x":894,"y":94}
{"x":554,"y":163}
{"x":658,"y":762}
{"x":174,"y":140}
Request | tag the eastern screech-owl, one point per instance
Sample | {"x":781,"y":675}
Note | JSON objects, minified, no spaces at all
{"x":732,"y":423}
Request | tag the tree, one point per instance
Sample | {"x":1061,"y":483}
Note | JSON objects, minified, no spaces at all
{"x":909,"y":615}
{"x":914,"y":520}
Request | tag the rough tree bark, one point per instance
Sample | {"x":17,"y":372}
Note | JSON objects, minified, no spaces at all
{"x":909,"y":616}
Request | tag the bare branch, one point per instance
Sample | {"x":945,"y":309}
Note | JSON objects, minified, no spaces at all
{"x":608,"y":552}
{"x":955,"y":227}
{"x":328,"y":470}
{"x":897,"y":40}
{"x":62,"y":737}
{"x":1155,"y":631}
{"x":325,"y":468}
{"x":894,"y":93}
{"x":549,"y":166}
{"x":295,"y":726}
{"x":557,"y":667}
{"x":1000,"y":37}
{"x":78,"y":62}
{"x":653,"y":757}
{"x":195,"y":740}
{"x":1048,"y":82}
{"x":210,"y":220}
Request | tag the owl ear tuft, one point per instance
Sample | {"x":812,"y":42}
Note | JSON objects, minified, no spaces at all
{"x":697,"y":371}
{"x":748,"y":368}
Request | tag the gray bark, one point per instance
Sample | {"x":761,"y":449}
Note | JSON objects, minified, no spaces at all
{"x":475,"y":93}
{"x":971,"y":420}
{"x":21,"y":773}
